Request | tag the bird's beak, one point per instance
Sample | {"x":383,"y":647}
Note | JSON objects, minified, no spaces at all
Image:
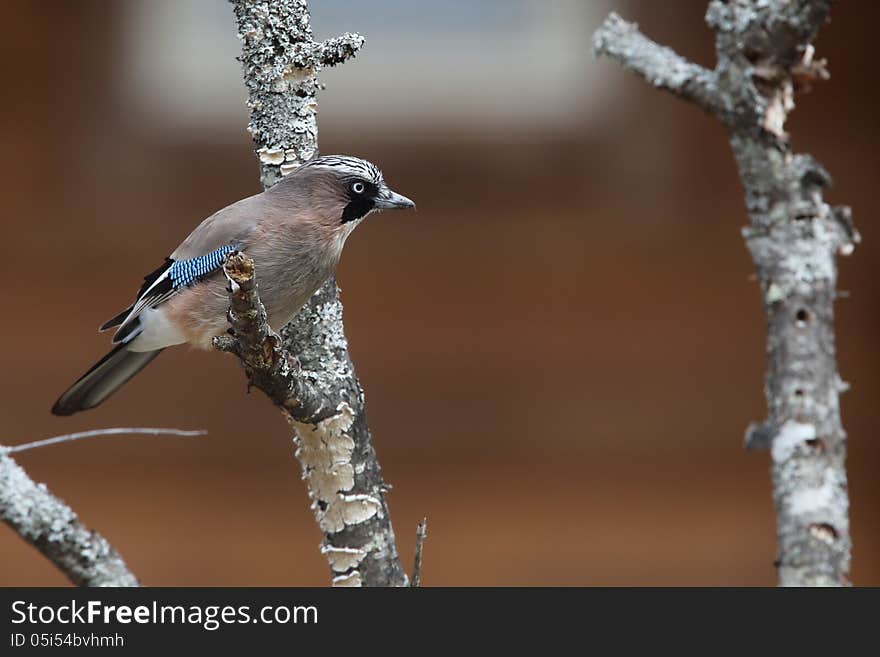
{"x":391,"y":200}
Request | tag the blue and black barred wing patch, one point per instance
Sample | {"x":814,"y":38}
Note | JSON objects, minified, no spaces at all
{"x":164,"y":283}
{"x":183,"y":273}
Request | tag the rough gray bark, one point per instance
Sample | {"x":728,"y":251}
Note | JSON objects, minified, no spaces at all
{"x":48,"y":524}
{"x":281,"y":62}
{"x":764,"y":55}
{"x":268,"y":365}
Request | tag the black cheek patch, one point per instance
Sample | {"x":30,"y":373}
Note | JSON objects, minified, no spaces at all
{"x":360,"y":204}
{"x":356,"y":209}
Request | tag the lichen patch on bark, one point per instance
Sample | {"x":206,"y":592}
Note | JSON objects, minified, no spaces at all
{"x":352,"y":579}
{"x":343,"y":559}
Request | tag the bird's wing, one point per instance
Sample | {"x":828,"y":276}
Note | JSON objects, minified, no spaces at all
{"x":198,"y":256}
{"x":233,"y":223}
{"x":159,"y":286}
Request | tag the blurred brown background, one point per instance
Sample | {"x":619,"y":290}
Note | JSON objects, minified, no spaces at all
{"x":560,"y":350}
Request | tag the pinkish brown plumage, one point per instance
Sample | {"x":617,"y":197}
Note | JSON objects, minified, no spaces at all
{"x":294,"y":232}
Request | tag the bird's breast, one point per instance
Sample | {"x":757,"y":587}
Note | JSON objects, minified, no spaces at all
{"x":288,"y":275}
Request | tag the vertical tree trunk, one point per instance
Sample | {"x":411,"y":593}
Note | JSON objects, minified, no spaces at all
{"x":281,"y":62}
{"x":765,"y":55}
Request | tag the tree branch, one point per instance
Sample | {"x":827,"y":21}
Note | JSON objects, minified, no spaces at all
{"x":322,"y":399}
{"x":338,"y":49}
{"x":661,"y":66}
{"x":268,"y":365}
{"x":764,"y":55}
{"x":48,"y":524}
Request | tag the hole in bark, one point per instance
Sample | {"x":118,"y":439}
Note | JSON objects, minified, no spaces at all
{"x":802,"y":217}
{"x":802,"y":316}
{"x":815,"y":443}
{"x":823,"y":531}
{"x":752,"y":55}
{"x":799,"y":393}
{"x":322,"y":505}
{"x":767,"y":89}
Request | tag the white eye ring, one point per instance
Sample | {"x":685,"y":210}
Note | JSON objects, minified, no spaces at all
{"x":358,"y":187}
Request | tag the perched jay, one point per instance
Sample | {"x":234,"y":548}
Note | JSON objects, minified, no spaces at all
{"x":294,"y":232}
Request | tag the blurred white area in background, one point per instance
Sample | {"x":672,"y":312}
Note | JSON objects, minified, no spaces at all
{"x":178,"y":69}
{"x":472,"y":65}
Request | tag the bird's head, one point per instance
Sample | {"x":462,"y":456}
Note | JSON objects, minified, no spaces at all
{"x":346,"y":189}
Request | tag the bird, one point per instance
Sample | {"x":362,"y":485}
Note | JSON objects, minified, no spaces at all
{"x":294,"y":231}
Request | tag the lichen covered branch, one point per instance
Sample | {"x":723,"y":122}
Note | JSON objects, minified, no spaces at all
{"x":47,"y":523}
{"x":281,"y":62}
{"x":659,"y":65}
{"x":324,"y":419}
{"x":338,"y":49}
{"x":268,"y":365}
{"x":764,"y":56}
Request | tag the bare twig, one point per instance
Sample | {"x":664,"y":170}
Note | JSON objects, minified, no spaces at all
{"x":70,"y":437}
{"x":48,"y":524}
{"x":421,"y":535}
{"x":764,"y":54}
{"x":308,"y":372}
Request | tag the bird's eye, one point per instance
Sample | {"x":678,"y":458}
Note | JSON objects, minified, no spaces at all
{"x":358,"y":187}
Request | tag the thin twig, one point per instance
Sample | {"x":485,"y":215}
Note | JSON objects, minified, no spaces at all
{"x":421,"y":535}
{"x":69,"y":437}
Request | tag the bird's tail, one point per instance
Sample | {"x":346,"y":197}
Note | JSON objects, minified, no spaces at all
{"x":103,"y":379}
